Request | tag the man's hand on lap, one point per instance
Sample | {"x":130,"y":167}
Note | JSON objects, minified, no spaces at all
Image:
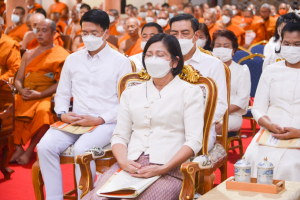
{"x":87,"y":120}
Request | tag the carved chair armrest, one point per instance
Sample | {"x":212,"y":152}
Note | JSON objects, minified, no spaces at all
{"x":189,"y":170}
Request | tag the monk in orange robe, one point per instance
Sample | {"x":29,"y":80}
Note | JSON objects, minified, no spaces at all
{"x":61,"y":8}
{"x":60,"y":25}
{"x":36,"y":81}
{"x":57,"y":41}
{"x":2,"y":7}
{"x":19,"y":28}
{"x":142,"y":15}
{"x":163,"y":21}
{"x":10,"y":57}
{"x":210,"y":19}
{"x":74,"y":28}
{"x":269,"y":22}
{"x":131,"y":45}
{"x":32,"y":6}
{"x":113,"y":18}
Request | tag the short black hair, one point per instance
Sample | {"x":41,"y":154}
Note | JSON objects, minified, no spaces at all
{"x":42,"y":11}
{"x":21,"y":8}
{"x":153,"y":24}
{"x":291,"y":26}
{"x":96,"y":16}
{"x":172,"y":45}
{"x":116,"y":13}
{"x":289,"y":17}
{"x":165,"y":5}
{"x":84,"y":5}
{"x":186,"y":17}
{"x":129,"y":5}
{"x":229,"y":35}
{"x":189,"y":6}
{"x":205,"y":30}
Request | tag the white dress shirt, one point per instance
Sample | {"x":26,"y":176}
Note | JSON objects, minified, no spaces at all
{"x":93,"y":83}
{"x":137,"y":59}
{"x":278,"y":97}
{"x":269,"y":52}
{"x":160,"y":123}
{"x":239,"y":94}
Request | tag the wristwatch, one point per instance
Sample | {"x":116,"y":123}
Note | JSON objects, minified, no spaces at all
{"x":59,"y":115}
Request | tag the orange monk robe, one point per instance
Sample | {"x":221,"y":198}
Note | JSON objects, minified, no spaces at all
{"x":143,"y":23}
{"x":125,"y":37}
{"x":70,"y":30}
{"x":237,"y":20}
{"x":257,"y":19}
{"x":238,"y":31}
{"x":31,"y":115}
{"x":36,"y":6}
{"x":10,"y":57}
{"x":113,"y":30}
{"x":167,"y":28}
{"x":59,"y":7}
{"x":135,"y":49}
{"x":258,"y":29}
{"x":213,"y":29}
{"x":57,"y":41}
{"x":61,"y":25}
{"x":201,"y":20}
{"x":18,"y":32}
{"x":2,"y":9}
{"x":276,"y":16}
{"x":270,"y":25}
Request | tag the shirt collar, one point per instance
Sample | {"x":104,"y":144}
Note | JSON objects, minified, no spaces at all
{"x":197,"y":56}
{"x":100,"y":55}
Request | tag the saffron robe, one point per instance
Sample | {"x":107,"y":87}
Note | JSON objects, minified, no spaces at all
{"x":125,"y":37}
{"x":36,"y":6}
{"x":70,"y":31}
{"x":31,"y":115}
{"x":10,"y":57}
{"x":167,"y":29}
{"x":238,"y":31}
{"x":59,"y":7}
{"x":60,"y":26}
{"x":18,"y":32}
{"x":135,"y":49}
{"x":258,"y":29}
{"x":113,"y":30}
{"x":270,"y":25}
{"x":213,"y":29}
{"x":57,"y":41}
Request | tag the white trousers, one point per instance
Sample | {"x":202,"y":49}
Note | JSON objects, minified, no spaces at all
{"x":55,"y":142}
{"x":234,"y":122}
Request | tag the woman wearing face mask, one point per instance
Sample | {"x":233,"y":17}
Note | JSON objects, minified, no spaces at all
{"x":276,"y":108}
{"x":204,"y":40}
{"x":157,"y":129}
{"x":271,"y":52}
{"x":225,"y":44}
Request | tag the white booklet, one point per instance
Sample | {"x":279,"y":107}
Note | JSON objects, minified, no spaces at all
{"x":123,"y":185}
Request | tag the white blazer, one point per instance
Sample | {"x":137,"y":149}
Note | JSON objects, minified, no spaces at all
{"x":160,"y":123}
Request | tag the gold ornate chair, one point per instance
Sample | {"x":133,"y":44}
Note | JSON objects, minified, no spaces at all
{"x":188,"y":169}
{"x":258,"y":47}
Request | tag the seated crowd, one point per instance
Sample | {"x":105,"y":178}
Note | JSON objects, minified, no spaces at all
{"x":80,"y":54}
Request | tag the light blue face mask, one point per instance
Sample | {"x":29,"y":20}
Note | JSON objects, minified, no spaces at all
{"x":171,"y":15}
{"x":34,"y":30}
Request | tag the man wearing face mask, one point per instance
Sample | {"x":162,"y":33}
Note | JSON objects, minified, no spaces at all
{"x":151,"y":16}
{"x":32,"y":6}
{"x":163,"y":21}
{"x":148,"y":30}
{"x":185,"y":28}
{"x":282,"y":9}
{"x":91,"y":76}
{"x":172,"y":11}
{"x":269,"y":22}
{"x":19,"y":28}
{"x":113,"y":15}
{"x":274,"y":12}
{"x":132,"y":45}
{"x":10,"y":57}
{"x":228,"y":25}
{"x":74,"y":28}
{"x":143,"y":15}
{"x":254,"y":32}
{"x":210,"y":18}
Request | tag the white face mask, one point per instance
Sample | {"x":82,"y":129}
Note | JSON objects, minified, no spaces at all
{"x":92,"y":43}
{"x":111,"y":19}
{"x":149,"y":19}
{"x":15,"y":18}
{"x":143,"y":44}
{"x":157,"y":67}
{"x":186,"y":45}
{"x":233,"y":12}
{"x":163,"y":22}
{"x":180,"y":12}
{"x":201,"y":42}
{"x":157,"y":12}
{"x":143,"y":15}
{"x":290,"y":53}
{"x":225,"y":19}
{"x":30,"y":7}
{"x":225,"y":54}
{"x":34,"y":30}
{"x":120,"y":29}
{"x":171,"y":15}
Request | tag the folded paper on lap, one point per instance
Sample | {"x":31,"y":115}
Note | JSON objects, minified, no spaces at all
{"x":72,"y":129}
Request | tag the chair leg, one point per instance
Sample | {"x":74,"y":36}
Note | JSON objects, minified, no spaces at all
{"x":37,"y":181}
{"x":223,"y":170}
{"x":209,"y":182}
{"x":241,"y":148}
{"x":75,"y":181}
{"x":7,"y":152}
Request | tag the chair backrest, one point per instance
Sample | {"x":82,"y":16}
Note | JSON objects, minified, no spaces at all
{"x":258,"y":47}
{"x":67,"y":41}
{"x":238,"y":55}
{"x":7,"y":106}
{"x":254,"y":63}
{"x":244,"y":49}
{"x":113,"y":39}
{"x":205,"y":51}
{"x":192,"y":76}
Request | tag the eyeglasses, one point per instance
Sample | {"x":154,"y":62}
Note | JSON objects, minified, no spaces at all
{"x":94,"y":33}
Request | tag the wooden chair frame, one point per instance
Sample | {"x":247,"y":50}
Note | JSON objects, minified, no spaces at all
{"x":190,"y":169}
{"x":236,"y":138}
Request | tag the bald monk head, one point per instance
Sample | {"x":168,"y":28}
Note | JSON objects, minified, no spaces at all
{"x":265,"y":11}
{"x":188,"y":9}
{"x":163,"y":18}
{"x":219,"y":12}
{"x":151,"y":16}
{"x":45,"y":32}
{"x":35,"y":19}
{"x":283,"y":9}
{"x":28,"y":21}
{"x":210,"y":17}
{"x":228,"y":13}
{"x":205,"y":7}
{"x":133,"y":27}
{"x":56,"y":1}
{"x":1,"y":26}
{"x":273,"y":10}
{"x":113,"y":15}
{"x":18,"y":15}
{"x":30,"y":3}
{"x":252,"y":7}
{"x":55,"y":16}
{"x":75,"y":15}
{"x":248,"y":16}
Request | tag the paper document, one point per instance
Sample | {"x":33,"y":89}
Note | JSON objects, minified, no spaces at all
{"x":72,"y":129}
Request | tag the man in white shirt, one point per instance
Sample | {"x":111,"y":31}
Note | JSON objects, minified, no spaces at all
{"x":148,"y":30}
{"x":91,"y":77}
{"x":186,"y":29}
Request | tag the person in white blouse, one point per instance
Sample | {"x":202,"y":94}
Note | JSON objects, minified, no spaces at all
{"x":148,"y":30}
{"x":277,"y":108}
{"x":186,"y":29}
{"x":225,"y":44}
{"x":271,"y":52}
{"x":160,"y":123}
{"x":91,"y":77}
